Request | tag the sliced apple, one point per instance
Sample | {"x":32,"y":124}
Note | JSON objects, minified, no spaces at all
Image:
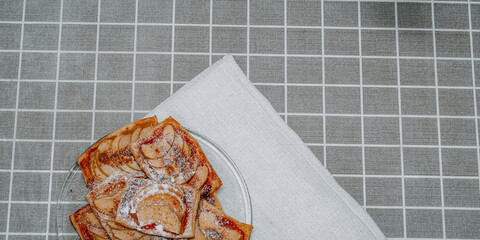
{"x":161,"y":215}
{"x":95,"y":169}
{"x":124,"y":234}
{"x":156,"y":162}
{"x":206,"y":220}
{"x":135,"y":135}
{"x":133,"y":164}
{"x":212,"y":234}
{"x":144,"y":132}
{"x":115,"y":225}
{"x":124,"y":142}
{"x":168,"y":134}
{"x":187,"y":151}
{"x":104,"y":146}
{"x":200,"y":177}
{"x":98,"y":232}
{"x":106,"y":169}
{"x":106,"y":205}
{"x":178,"y":143}
{"x":156,"y":149}
{"x":123,"y":166}
{"x":198,"y":233}
{"x":114,"y":144}
{"x":208,"y":223}
{"x":164,"y":199}
{"x":91,"y":219}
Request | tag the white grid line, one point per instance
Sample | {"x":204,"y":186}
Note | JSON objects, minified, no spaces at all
{"x":244,"y":26}
{"x":474,"y":90}
{"x":308,"y":144}
{"x":390,"y":145}
{"x":94,"y":102}
{"x":438,"y":121}
{"x":50,"y":190}
{"x":255,"y":83}
{"x":244,"y":54}
{"x":248,"y":40}
{"x":324,"y":110}
{"x":132,"y":116}
{"x":473,"y":177}
{"x":172,"y":59}
{"x":362,"y":121}
{"x":399,"y":92}
{"x":210,"y":34}
{"x":406,"y":176}
{"x":12,"y":167}
{"x":285,"y":51}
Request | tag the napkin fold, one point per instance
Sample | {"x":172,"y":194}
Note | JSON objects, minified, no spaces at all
{"x":292,"y":195}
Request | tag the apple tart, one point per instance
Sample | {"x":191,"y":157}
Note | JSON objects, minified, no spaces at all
{"x":170,"y":153}
{"x":152,"y":181}
{"x":111,"y":153}
{"x":87,"y":225}
{"x":156,"y":208}
{"x":105,"y":199}
{"x":214,"y":224}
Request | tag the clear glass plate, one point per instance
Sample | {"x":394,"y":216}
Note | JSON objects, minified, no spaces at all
{"x":233,"y":194}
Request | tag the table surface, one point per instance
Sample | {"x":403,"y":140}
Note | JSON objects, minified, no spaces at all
{"x":384,"y":93}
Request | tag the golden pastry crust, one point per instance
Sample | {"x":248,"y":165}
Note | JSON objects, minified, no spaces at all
{"x":214,"y":224}
{"x":161,"y":209}
{"x":105,"y":199}
{"x":213,"y":200}
{"x":112,"y":154}
{"x":170,"y":153}
{"x":87,"y":225}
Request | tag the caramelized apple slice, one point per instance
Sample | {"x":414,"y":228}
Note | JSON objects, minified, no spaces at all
{"x":200,"y":177}
{"x":169,"y":200}
{"x":132,"y":163}
{"x":107,"y":205}
{"x":168,"y":134}
{"x":96,"y":170}
{"x":124,"y":142}
{"x":159,"y":215}
{"x":210,"y":227}
{"x":87,"y":225}
{"x":91,"y":219}
{"x":135,"y":135}
{"x":156,"y":149}
{"x":114,"y":225}
{"x":145,"y":131}
{"x":110,"y":154}
{"x":126,"y":234}
{"x":99,"y":233}
{"x":161,"y":209}
{"x":215,"y":224}
{"x":104,"y":162}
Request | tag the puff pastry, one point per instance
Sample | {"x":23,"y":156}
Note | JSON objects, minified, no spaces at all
{"x":105,"y":199}
{"x":157,"y":208}
{"x":111,"y":153}
{"x":214,"y":224}
{"x":87,"y":225}
{"x":170,"y":153}
{"x":178,"y":201}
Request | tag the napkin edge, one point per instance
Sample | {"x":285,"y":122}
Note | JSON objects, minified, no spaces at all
{"x":266,"y":106}
{"x":352,"y":204}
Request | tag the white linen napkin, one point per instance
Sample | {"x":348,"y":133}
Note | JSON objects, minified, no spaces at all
{"x":292,"y":195}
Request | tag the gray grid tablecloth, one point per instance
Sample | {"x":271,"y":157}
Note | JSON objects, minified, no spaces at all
{"x":384,"y":93}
